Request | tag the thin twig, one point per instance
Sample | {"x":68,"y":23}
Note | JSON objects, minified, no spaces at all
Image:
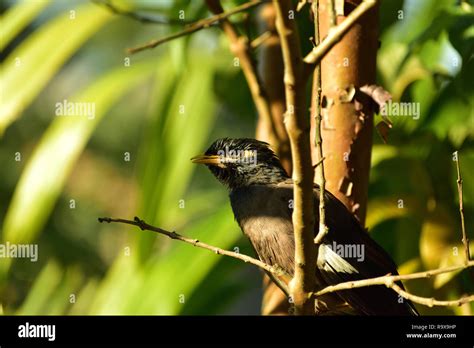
{"x":260,"y":39}
{"x":389,"y":279}
{"x":430,"y":302}
{"x":297,"y":126}
{"x":318,"y":163}
{"x":279,"y":275}
{"x":337,"y":33}
{"x":465,"y":240}
{"x":241,"y":49}
{"x":300,"y":5}
{"x":318,"y":140}
{"x":332,"y":13}
{"x":192,"y":28}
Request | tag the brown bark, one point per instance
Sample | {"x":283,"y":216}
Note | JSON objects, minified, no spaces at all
{"x":347,"y":126}
{"x":270,"y":69}
{"x":353,"y":120}
{"x":297,"y":125}
{"x":241,"y":49}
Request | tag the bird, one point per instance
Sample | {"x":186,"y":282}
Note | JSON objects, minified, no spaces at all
{"x":261,"y":196}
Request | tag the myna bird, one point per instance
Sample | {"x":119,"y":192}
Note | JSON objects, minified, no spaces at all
{"x":261,"y":195}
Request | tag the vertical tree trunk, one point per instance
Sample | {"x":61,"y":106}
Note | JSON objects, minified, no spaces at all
{"x":270,"y":68}
{"x":347,"y":125}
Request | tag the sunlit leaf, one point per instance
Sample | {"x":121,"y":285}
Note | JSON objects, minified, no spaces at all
{"x":386,"y":208}
{"x":452,"y":114}
{"x":45,"y":173}
{"x":416,"y":16}
{"x":49,"y":47}
{"x":436,"y":236}
{"x":84,"y":298}
{"x":158,"y":282}
{"x":179,"y":127}
{"x":43,"y":288}
{"x":180,"y":270}
{"x":17,"y":18}
{"x":454,"y":255}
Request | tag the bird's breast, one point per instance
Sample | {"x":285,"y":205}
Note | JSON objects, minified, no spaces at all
{"x":264,"y":218}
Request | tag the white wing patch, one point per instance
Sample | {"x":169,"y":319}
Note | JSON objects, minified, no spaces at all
{"x":330,"y":261}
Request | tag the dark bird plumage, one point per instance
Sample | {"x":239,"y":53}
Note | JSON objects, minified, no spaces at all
{"x":261,"y":195}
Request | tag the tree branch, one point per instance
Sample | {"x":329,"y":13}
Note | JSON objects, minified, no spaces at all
{"x":277,"y":273}
{"x":336,"y":33}
{"x":332,"y":13}
{"x":241,"y":49}
{"x":318,"y":140}
{"x":192,"y":28}
{"x":302,"y":286}
{"x":389,"y":278}
{"x":260,"y":39}
{"x":281,"y":278}
{"x":389,"y":281}
{"x":270,"y":70}
{"x":298,"y":126}
{"x":465,"y":240}
{"x":430,"y":302}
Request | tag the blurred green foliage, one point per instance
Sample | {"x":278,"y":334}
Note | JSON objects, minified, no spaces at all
{"x":157,"y":109}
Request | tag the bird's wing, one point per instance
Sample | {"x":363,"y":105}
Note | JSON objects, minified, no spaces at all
{"x":336,"y":267}
{"x":345,"y":230}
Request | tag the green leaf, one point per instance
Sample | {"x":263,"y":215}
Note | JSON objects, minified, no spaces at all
{"x":52,"y":160}
{"x":186,"y":267}
{"x":156,"y":287}
{"x":438,"y":230}
{"x":180,"y":125}
{"x":457,"y":21}
{"x":42,"y":289}
{"x":17,"y":18}
{"x":60,"y":300}
{"x":230,"y":280}
{"x":453,"y":256}
{"x":84,"y":298}
{"x":386,"y":208}
{"x":381,"y":153}
{"x":417,"y":15}
{"x":30,"y":66}
{"x":452,"y":114}
{"x":152,"y":283}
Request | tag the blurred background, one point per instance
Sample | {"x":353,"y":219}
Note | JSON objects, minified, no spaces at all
{"x":155,"y":110}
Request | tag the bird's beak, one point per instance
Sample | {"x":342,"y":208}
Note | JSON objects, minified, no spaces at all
{"x":213,"y":160}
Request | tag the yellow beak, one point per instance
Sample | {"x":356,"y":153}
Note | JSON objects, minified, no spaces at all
{"x":205,"y":159}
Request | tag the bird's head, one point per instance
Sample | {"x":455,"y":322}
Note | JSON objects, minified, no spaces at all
{"x":242,"y":162}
